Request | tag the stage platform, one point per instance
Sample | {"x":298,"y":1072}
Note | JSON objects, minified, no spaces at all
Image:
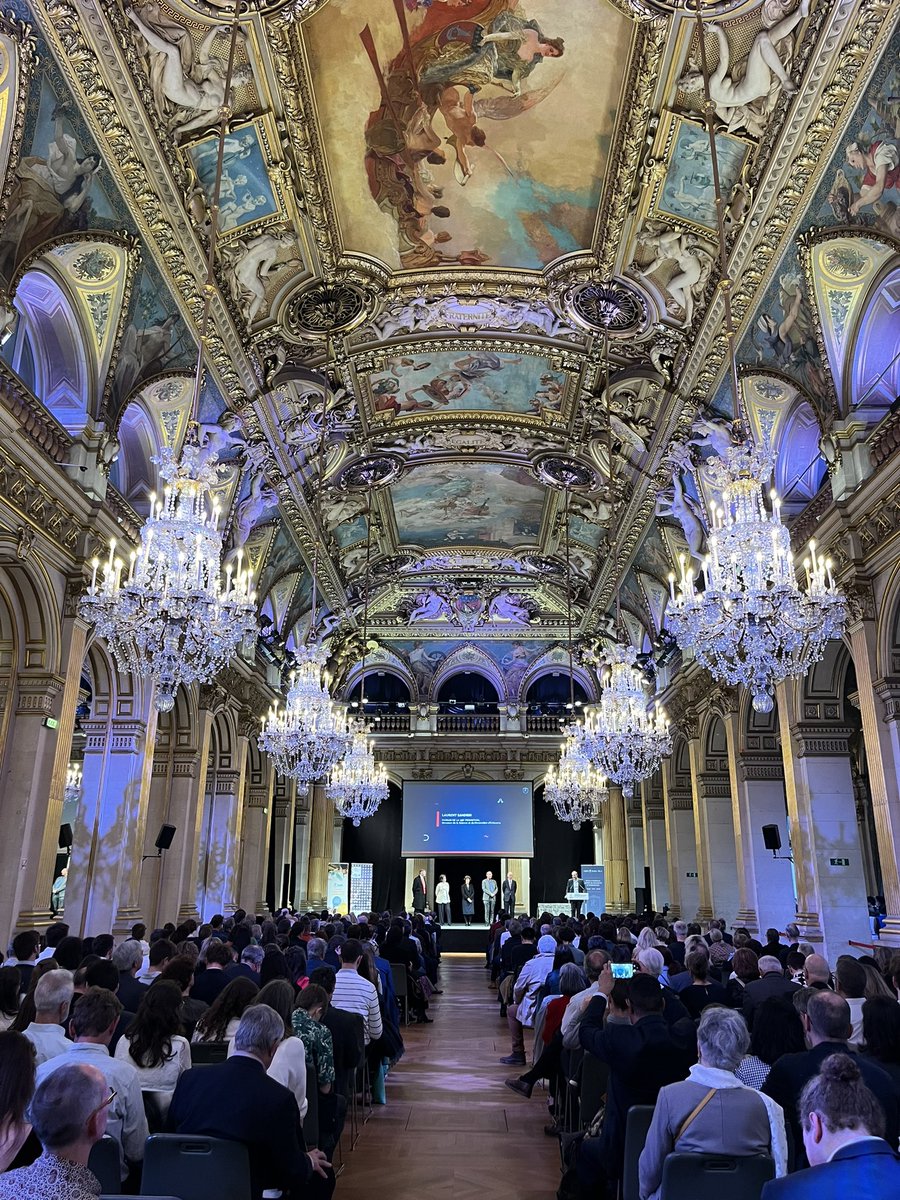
{"x":463,"y":939}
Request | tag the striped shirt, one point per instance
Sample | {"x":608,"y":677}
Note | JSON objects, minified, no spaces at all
{"x":354,"y":994}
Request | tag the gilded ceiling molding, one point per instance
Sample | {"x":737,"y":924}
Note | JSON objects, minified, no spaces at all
{"x":816,"y":122}
{"x":26,"y":61}
{"x":86,"y":45}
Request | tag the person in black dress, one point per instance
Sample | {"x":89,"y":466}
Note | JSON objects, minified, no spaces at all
{"x":468,"y":899}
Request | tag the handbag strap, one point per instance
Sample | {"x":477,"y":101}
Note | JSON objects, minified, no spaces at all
{"x":695,"y":1113}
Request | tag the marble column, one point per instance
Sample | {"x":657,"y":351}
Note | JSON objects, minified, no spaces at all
{"x":654,"y":827}
{"x":301,"y":859}
{"x":831,"y":893}
{"x":772,"y":899}
{"x":320,"y":842}
{"x":187,"y":792}
{"x":33,"y":778}
{"x":225,"y":830}
{"x":337,"y":838}
{"x":636,"y":860}
{"x":257,"y":825}
{"x":105,"y":869}
{"x":284,"y":799}
{"x":616,"y":851}
{"x":520,"y":869}
{"x":671,"y":795}
{"x":703,"y":848}
{"x":879,"y":706}
{"x":742,"y":827}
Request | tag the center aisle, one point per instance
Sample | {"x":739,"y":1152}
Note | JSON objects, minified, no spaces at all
{"x":451,"y":1130}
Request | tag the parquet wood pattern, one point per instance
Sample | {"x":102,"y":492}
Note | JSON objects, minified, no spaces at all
{"x":450,"y":1129}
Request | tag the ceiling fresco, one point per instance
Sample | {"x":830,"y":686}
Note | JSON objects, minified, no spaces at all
{"x":467,"y":253}
{"x":468,"y":503}
{"x":458,"y":145}
{"x":473,"y":382}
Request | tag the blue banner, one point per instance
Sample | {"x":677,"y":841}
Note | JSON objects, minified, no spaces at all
{"x":592,"y":874}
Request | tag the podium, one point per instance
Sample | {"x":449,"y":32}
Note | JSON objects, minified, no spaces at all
{"x":579,"y":897}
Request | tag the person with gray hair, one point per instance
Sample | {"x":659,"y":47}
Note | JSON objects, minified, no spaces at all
{"x":772,"y":982}
{"x":238,"y":1101}
{"x":52,"y":999}
{"x":248,"y":967}
{"x":712,"y":1112}
{"x":594,"y":962}
{"x":68,"y":1113}
{"x":128,"y":959}
{"x":315,"y":954}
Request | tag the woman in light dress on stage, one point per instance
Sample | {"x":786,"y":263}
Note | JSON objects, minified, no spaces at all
{"x":442,"y":900}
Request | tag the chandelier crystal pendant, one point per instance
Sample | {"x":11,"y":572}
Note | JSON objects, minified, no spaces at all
{"x":358,"y":784}
{"x":575,"y":788}
{"x":310,"y":734}
{"x":72,"y":789}
{"x":752,"y":624}
{"x":625,"y":737}
{"x":173,"y":618}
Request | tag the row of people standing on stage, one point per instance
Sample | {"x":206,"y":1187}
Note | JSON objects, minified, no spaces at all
{"x":490,"y":890}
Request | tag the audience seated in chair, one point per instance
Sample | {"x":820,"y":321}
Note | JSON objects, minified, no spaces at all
{"x":68,"y":1112}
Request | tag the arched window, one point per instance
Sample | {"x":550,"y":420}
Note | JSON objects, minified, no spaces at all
{"x":467,"y":692}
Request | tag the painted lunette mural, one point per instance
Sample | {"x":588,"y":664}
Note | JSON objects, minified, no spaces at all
{"x":860,"y":189}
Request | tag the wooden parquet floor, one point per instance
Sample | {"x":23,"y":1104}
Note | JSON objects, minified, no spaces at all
{"x":450,"y":1129}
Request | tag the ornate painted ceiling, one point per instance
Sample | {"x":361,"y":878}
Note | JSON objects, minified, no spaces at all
{"x":468,"y":248}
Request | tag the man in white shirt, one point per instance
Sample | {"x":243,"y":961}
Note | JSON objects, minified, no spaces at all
{"x":520,"y":1014}
{"x":93,"y":1023}
{"x":354,"y":994}
{"x":52,"y":999}
{"x":161,"y":952}
{"x":594,"y":962}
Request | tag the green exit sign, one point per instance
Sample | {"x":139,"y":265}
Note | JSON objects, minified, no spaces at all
{"x":840,"y":862}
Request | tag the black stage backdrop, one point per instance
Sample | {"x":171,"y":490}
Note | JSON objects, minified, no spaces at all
{"x":558,"y":850}
{"x":377,"y":841}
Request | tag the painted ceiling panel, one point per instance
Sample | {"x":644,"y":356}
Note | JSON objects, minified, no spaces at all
{"x":476,"y":160}
{"x":468,"y":503}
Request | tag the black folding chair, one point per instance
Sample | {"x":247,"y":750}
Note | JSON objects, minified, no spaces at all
{"x":594,"y":1081}
{"x":401,"y":988}
{"x":712,"y":1176}
{"x":105,"y":1161}
{"x":311,"y":1120}
{"x":205,"y":1054}
{"x":637,"y":1126}
{"x":195,"y":1168}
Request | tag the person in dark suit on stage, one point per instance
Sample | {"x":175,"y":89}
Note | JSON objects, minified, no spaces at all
{"x":842,"y":1125}
{"x":420,"y":892}
{"x":509,"y":896}
{"x":238,"y":1101}
{"x":576,"y":891}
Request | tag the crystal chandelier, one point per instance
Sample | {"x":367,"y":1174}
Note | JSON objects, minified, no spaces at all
{"x":752,"y":624}
{"x":358,"y":784}
{"x":307,"y":737}
{"x":72,"y":789}
{"x":576,"y":789}
{"x":625,"y":737}
{"x":172,"y":618}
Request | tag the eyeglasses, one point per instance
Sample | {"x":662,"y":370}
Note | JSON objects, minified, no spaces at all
{"x":106,"y":1103}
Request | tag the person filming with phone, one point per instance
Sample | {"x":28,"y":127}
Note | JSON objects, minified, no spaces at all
{"x":642,"y":1057}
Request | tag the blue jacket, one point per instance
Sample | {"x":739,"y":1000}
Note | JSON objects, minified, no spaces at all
{"x":866,"y":1170}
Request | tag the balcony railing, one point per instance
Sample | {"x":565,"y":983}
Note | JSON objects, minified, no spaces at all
{"x":392,"y":723}
{"x":468,"y":723}
{"x":543,"y":723}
